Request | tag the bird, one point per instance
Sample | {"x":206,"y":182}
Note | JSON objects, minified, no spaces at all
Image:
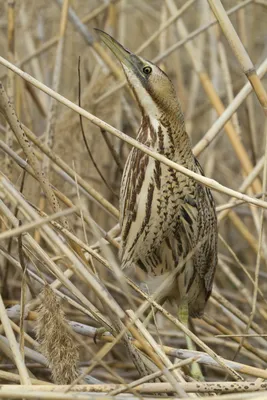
{"x":167,"y":218}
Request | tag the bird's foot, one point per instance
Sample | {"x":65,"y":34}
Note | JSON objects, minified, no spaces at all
{"x":98,"y":334}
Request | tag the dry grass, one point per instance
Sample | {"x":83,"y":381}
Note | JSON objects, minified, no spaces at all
{"x":58,"y":219}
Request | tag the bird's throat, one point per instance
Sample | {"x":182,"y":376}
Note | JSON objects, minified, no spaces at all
{"x":167,"y":136}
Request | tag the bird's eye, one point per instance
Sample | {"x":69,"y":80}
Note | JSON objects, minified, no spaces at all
{"x":147,"y":70}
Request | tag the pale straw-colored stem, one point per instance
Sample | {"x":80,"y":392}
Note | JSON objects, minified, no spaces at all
{"x":239,"y":51}
{"x":18,"y":360}
{"x":227,"y":114}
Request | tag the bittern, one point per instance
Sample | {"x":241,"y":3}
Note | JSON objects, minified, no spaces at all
{"x":165,"y":216}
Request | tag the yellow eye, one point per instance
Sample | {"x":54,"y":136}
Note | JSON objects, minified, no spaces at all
{"x":147,"y":70}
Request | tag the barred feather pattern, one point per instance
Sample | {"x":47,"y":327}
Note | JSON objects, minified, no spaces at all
{"x":165,"y":215}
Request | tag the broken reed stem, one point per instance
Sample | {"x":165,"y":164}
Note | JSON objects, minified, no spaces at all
{"x":239,"y":51}
{"x":211,"y":183}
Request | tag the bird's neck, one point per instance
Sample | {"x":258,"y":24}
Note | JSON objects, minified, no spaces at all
{"x":165,"y":132}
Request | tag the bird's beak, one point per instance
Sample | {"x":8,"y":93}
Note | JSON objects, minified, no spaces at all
{"x":124,"y":56}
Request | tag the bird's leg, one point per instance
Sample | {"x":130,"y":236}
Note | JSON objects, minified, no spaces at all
{"x":183,"y":315}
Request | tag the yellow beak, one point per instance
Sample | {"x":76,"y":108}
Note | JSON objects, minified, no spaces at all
{"x":124,"y":56}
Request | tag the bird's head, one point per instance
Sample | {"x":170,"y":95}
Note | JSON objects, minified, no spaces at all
{"x":152,"y":88}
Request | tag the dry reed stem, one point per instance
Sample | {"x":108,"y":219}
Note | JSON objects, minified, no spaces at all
{"x":35,"y":224}
{"x":239,"y":51}
{"x":150,"y":388}
{"x":52,"y":113}
{"x":11,"y":377}
{"x":242,"y":188}
{"x":150,"y":377}
{"x":227,"y":79}
{"x":22,"y":298}
{"x":242,"y":24}
{"x":227,"y":114}
{"x":101,"y":56}
{"x":206,"y":181}
{"x":239,"y":263}
{"x":10,"y":77}
{"x":211,"y":321}
{"x":18,"y":360}
{"x":35,"y":64}
{"x":16,"y":394}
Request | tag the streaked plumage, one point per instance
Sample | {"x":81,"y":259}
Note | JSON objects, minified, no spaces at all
{"x":165,"y":215}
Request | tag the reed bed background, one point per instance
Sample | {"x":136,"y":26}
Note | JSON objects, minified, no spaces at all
{"x":59,"y":236}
